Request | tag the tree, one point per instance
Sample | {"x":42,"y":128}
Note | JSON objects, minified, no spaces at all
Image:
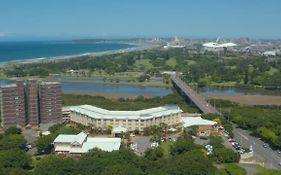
{"x":181,"y":146}
{"x":14,"y":158}
{"x":12,"y":130}
{"x":109,"y":129}
{"x":154,"y":153}
{"x":15,"y":141}
{"x":225,"y":155}
{"x":192,"y":162}
{"x":53,"y":165}
{"x":44,"y":143}
{"x":120,"y":169}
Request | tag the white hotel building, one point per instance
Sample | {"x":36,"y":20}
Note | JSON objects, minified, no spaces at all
{"x":131,"y":120}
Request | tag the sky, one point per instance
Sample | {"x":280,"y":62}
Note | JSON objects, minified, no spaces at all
{"x":73,"y":19}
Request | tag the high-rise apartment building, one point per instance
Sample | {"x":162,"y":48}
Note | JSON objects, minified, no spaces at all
{"x":50,"y":100}
{"x":32,"y":106}
{"x":13,"y":104}
{"x":30,"y":102}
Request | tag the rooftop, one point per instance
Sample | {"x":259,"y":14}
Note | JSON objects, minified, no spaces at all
{"x":72,"y":139}
{"x":196,"y":121}
{"x":97,"y":113}
{"x":105,"y":144}
{"x":49,"y":82}
{"x":8,"y":85}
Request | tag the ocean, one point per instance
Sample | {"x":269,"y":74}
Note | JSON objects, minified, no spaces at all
{"x":21,"y":51}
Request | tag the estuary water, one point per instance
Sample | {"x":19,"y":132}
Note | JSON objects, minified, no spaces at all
{"x":74,"y":87}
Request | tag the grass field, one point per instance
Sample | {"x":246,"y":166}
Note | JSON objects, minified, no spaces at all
{"x":234,"y":169}
{"x":272,"y":71}
{"x":143,"y":64}
{"x":264,"y":171}
{"x":191,"y":62}
{"x":171,"y":62}
{"x":166,"y":148}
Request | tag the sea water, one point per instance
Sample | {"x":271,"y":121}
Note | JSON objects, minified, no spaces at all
{"x":21,"y":51}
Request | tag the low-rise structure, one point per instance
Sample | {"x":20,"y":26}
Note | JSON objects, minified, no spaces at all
{"x":205,"y":127}
{"x":81,"y":143}
{"x":131,"y":120}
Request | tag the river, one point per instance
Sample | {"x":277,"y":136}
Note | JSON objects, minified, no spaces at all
{"x":95,"y":86}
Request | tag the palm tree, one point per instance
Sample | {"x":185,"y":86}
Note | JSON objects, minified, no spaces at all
{"x":108,"y":129}
{"x":163,"y":127}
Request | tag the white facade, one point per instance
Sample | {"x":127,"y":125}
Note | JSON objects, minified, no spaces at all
{"x":80,"y":143}
{"x":131,"y":120}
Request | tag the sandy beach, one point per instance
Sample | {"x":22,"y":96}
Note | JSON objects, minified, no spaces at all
{"x":250,"y":99}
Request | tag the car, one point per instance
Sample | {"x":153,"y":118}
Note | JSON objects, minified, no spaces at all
{"x":237,"y":147}
{"x":170,"y":139}
{"x":26,"y":149}
{"x":29,"y":146}
{"x":265,"y":145}
{"x":154,"y":144}
{"x":278,"y":151}
{"x":231,"y":140}
{"x":279,"y":163}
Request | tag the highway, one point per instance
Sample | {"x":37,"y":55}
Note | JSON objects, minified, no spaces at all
{"x":269,"y":156}
{"x":199,"y":101}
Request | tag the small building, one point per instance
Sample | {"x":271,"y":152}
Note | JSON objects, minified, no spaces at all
{"x":81,"y":143}
{"x":205,"y":127}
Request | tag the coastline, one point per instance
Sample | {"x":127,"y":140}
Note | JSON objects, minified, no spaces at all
{"x":135,"y":47}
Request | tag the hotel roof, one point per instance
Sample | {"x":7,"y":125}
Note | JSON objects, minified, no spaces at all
{"x":98,"y":113}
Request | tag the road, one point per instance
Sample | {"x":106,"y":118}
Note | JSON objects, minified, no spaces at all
{"x":199,"y":101}
{"x":271,"y":157}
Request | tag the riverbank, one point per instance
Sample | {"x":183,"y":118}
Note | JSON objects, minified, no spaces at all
{"x":112,"y":96}
{"x":250,"y":99}
{"x":144,"y":84}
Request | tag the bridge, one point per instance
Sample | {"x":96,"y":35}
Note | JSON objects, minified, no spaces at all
{"x":197,"y":99}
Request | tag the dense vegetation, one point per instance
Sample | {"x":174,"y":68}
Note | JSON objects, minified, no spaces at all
{"x":127,"y":104}
{"x":204,"y":69}
{"x":185,"y":157}
{"x":263,"y":121}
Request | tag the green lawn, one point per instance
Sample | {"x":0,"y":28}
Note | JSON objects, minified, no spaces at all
{"x":143,"y":64}
{"x":229,"y":84}
{"x":234,"y":169}
{"x":191,"y":62}
{"x":171,"y":62}
{"x":264,"y":171}
{"x":166,"y":148}
{"x":272,"y":71}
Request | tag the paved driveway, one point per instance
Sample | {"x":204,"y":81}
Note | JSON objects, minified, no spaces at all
{"x":142,"y":144}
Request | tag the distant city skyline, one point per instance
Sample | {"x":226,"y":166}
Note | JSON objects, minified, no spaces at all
{"x":72,"y":19}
